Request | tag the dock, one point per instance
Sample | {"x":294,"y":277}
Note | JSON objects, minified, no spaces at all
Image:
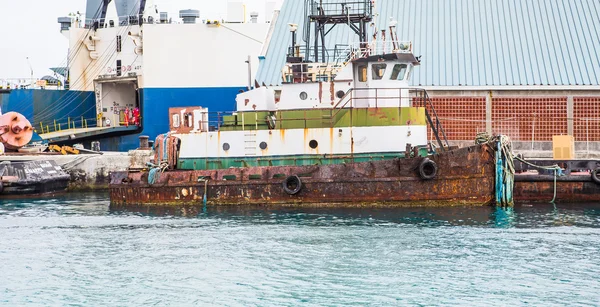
{"x":90,"y":172}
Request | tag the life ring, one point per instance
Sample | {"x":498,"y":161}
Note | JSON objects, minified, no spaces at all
{"x":596,"y":175}
{"x":428,"y":169}
{"x":271,"y":121}
{"x":292,"y":185}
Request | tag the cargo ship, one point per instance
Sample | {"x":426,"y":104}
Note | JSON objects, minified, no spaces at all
{"x":124,"y":72}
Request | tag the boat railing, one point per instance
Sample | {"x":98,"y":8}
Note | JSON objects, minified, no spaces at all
{"x":30,"y":83}
{"x":340,"y":8}
{"x":335,"y":59}
{"x":310,"y":72}
{"x":340,"y":53}
{"x":359,"y":98}
{"x":130,"y":20}
{"x":378,"y":97}
{"x":65,"y":124}
{"x":379,"y":47}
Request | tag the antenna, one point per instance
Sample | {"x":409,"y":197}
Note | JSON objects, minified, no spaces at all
{"x":30,"y":67}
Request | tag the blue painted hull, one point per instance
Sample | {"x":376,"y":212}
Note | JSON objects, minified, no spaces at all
{"x":47,"y":105}
{"x":155,"y":110}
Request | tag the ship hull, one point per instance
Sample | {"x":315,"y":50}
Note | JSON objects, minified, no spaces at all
{"x":465,"y":177}
{"x":567,"y":189}
{"x":42,"y":107}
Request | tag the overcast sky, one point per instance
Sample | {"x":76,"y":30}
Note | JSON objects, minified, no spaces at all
{"x":29,"y":28}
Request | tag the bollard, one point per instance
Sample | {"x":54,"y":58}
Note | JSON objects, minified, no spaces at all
{"x":95,"y":146}
{"x":144,"y":142}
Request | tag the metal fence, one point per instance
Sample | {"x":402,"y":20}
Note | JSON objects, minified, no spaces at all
{"x":530,"y":119}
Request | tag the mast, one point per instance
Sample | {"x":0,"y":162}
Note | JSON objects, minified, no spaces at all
{"x":323,"y":13}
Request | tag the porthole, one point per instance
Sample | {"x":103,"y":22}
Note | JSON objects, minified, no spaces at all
{"x":226,"y":146}
{"x":313,"y":144}
{"x":340,"y":94}
{"x":263,"y":145}
{"x":303,"y":95}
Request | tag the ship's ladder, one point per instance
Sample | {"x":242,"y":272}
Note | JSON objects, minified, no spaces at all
{"x":434,"y":121}
{"x":250,"y":143}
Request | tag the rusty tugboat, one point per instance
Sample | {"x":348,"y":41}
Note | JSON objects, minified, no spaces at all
{"x":344,"y":129}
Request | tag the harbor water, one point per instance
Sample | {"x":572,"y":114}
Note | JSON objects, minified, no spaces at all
{"x":73,"y":250}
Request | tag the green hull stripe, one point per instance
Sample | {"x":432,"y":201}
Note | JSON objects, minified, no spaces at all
{"x":295,"y":160}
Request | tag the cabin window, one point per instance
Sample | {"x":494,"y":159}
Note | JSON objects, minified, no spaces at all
{"x":188,"y":120}
{"x":399,"y":72}
{"x":378,"y":71}
{"x":176,"y":122}
{"x":119,"y":42}
{"x":119,"y":68}
{"x":362,"y":73}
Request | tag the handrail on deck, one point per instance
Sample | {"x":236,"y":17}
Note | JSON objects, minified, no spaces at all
{"x":417,"y":96}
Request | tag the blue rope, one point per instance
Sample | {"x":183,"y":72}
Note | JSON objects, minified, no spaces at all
{"x":505,"y":177}
{"x":153,"y":175}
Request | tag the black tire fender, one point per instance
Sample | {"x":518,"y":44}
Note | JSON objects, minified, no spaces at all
{"x":428,"y":169}
{"x":292,"y":185}
{"x":596,"y":175}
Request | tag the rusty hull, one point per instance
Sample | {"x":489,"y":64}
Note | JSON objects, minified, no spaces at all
{"x":465,"y":176}
{"x":570,"y":188}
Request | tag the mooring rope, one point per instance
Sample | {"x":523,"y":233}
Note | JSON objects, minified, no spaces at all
{"x":558,"y":172}
{"x":155,"y":171}
{"x":162,"y":163}
{"x":505,"y":170}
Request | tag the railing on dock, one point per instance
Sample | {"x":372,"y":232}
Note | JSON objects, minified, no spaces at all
{"x":65,"y":124}
{"x":415,"y":97}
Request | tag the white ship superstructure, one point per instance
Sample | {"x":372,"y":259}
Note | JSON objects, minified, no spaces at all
{"x":126,"y":54}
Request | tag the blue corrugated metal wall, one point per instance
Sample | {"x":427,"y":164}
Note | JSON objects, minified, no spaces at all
{"x":477,"y":42}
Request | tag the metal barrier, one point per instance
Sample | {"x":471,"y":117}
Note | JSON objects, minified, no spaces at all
{"x":340,"y":8}
{"x":63,"y":125}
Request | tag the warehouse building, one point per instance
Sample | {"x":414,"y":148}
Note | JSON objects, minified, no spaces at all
{"x":527,"y":69}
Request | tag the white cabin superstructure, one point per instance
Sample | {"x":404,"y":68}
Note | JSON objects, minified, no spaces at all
{"x":357,"y":107}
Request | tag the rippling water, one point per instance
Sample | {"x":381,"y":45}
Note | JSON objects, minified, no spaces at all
{"x":73,"y":250}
